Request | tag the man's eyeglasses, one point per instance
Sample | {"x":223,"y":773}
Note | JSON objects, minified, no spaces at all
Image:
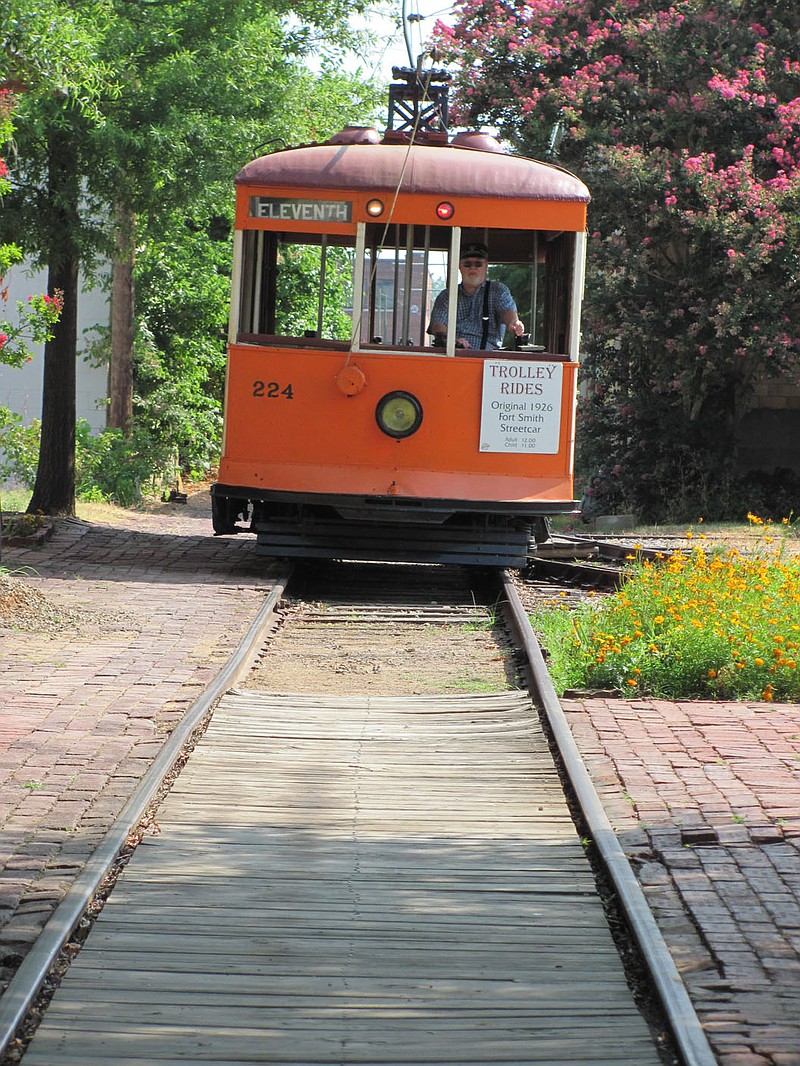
{"x":473,"y":262}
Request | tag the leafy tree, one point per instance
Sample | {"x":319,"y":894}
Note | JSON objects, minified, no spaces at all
{"x":297,"y":305}
{"x":50,"y":55}
{"x":160,"y":104}
{"x":684,"y":120}
{"x":35,"y":321}
{"x":201,"y":83}
{"x":183,"y":290}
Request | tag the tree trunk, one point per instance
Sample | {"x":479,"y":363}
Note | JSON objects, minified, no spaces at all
{"x":54,"y":489}
{"x":120,"y":382}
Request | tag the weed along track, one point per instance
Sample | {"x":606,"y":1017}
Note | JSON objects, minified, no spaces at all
{"x":367,"y":858}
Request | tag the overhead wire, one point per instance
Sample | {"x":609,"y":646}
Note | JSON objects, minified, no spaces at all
{"x":358,"y":317}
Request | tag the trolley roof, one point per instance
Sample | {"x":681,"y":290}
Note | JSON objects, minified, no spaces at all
{"x":416,"y":169}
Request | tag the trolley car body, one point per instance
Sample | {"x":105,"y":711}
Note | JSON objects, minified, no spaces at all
{"x":346,"y":434}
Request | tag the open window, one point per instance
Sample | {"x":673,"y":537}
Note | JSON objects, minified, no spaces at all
{"x":405,"y":267}
{"x":541,"y":282}
{"x":296,"y":286}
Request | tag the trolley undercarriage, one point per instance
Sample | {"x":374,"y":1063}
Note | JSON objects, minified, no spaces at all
{"x":469,"y":533}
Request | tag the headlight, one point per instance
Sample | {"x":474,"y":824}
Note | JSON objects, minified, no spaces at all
{"x":399,"y":414}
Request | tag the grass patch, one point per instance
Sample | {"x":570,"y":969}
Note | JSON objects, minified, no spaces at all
{"x":14,"y":499}
{"x":710,"y":625}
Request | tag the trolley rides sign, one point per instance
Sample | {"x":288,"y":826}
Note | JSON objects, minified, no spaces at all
{"x":521,"y":406}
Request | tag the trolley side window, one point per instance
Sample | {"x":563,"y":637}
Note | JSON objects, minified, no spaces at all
{"x":295,"y":287}
{"x":556,"y":287}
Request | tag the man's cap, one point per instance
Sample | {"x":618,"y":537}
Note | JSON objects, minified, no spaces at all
{"x":476,"y":250}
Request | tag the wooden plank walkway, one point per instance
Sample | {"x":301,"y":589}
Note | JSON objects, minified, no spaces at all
{"x":357,"y":880}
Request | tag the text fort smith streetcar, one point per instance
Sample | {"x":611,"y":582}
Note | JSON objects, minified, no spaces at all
{"x":347,"y":434}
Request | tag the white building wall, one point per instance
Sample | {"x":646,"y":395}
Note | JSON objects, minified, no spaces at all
{"x":21,"y":389}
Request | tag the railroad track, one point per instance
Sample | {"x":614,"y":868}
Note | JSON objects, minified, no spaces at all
{"x":570,"y":572}
{"x":358,"y":877}
{"x":590,"y":563}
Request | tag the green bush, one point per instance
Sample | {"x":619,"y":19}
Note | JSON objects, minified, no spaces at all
{"x":111,"y":466}
{"x":121,"y":469}
{"x":19,"y":449}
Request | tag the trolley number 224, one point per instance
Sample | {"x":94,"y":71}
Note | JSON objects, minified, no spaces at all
{"x":273,"y":390}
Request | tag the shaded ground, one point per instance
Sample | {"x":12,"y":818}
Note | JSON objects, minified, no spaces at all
{"x":108,"y":634}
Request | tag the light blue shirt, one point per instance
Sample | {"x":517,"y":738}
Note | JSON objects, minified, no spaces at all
{"x":469,"y":314}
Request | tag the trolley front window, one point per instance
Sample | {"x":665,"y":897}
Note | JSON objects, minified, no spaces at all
{"x":300,"y":287}
{"x":405,"y":267}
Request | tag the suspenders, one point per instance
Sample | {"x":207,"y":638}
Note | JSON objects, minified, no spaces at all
{"x":485,"y":334}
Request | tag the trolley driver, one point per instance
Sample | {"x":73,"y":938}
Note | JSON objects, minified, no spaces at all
{"x":484,"y":309}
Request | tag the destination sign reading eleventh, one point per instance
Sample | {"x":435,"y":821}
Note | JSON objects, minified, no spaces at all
{"x":521,"y":406}
{"x":289,"y":210}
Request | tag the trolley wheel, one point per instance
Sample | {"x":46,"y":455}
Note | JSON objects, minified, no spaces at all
{"x":225,"y":512}
{"x":540,"y":530}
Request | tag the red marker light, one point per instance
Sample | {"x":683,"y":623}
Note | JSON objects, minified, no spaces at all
{"x":445,"y":210}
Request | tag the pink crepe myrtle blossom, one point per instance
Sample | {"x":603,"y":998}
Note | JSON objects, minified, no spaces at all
{"x":685,"y":125}
{"x":36,"y":321}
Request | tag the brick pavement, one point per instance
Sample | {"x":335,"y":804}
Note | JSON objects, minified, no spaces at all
{"x":705,"y":798}
{"x":156,"y":605}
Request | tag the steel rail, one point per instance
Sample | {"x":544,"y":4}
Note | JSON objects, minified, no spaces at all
{"x":24,"y":986}
{"x":678,"y":1007}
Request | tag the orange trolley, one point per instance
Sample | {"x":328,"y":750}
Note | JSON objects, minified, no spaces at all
{"x":346,"y":434}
